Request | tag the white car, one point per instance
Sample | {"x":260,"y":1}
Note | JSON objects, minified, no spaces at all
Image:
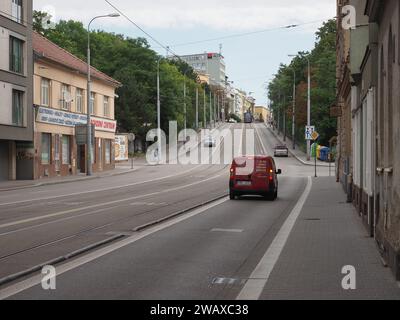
{"x":210,"y":141}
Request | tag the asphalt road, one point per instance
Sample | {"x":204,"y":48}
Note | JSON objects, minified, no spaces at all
{"x":206,"y":253}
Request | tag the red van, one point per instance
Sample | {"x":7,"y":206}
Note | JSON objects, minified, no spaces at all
{"x":254,"y":175}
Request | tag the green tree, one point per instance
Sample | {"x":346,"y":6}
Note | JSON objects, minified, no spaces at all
{"x":323,"y":87}
{"x":134,"y":64}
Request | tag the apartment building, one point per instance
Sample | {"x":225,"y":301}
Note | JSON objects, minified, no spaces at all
{"x":60,"y":81}
{"x":16,"y":113}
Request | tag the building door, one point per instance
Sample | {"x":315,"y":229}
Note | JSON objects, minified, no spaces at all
{"x":81,"y":159}
{"x":100,"y":155}
{"x":57,"y":157}
{"x":4,"y":160}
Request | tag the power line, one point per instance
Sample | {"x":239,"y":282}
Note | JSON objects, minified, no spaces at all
{"x":167,"y":48}
{"x":237,"y":35}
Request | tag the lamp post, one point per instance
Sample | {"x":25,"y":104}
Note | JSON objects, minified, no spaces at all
{"x":159,"y":113}
{"x":309,"y":107}
{"x":88,"y":98}
{"x":294,"y":111}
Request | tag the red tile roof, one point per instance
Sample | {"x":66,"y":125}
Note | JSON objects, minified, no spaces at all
{"x":46,"y":49}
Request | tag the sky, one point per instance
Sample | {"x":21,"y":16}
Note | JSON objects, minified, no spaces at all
{"x":251,"y":60}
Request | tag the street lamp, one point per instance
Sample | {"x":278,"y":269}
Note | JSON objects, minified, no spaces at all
{"x":88,"y":98}
{"x":159,"y":112}
{"x":294,"y":107}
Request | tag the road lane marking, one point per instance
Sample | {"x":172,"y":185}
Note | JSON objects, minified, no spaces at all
{"x":259,"y":138}
{"x":35,"y":280}
{"x":255,"y":285}
{"x":227,"y":230}
{"x":51,"y":215}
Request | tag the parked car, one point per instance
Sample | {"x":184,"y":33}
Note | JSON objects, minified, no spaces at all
{"x":281,"y":151}
{"x":254,"y":175}
{"x":210,"y":141}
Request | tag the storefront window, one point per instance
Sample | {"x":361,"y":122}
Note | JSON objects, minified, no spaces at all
{"x":46,"y":145}
{"x":107,"y":151}
{"x":66,"y":151}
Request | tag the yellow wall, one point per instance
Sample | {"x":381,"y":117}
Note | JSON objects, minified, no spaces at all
{"x":59,"y":76}
{"x":263,"y":111}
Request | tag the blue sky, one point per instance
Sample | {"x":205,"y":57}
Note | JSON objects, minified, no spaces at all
{"x":251,"y":60}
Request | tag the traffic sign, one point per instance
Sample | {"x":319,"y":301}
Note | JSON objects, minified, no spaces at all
{"x":315,"y":135}
{"x":309,"y":131}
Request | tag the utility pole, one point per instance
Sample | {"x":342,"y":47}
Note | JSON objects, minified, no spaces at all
{"x":204,"y":109}
{"x":309,"y":108}
{"x":294,"y":111}
{"x":88,"y":97}
{"x":284,"y":118}
{"x":159,"y":113}
{"x":197,"y":107}
{"x":211,"y":109}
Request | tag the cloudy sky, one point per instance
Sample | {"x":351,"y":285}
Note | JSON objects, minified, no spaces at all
{"x":251,"y":60}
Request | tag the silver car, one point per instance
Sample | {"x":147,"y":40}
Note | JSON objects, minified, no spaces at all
{"x":281,"y":151}
{"x":210,"y":141}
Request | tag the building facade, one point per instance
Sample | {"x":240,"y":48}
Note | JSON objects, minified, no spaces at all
{"x":261,"y":113}
{"x":16,"y":115}
{"x":211,"y":64}
{"x":384,"y":19}
{"x":367,"y":82}
{"x":60,"y":95}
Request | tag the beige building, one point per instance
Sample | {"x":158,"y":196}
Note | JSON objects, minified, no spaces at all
{"x":60,"y":105}
{"x":261,"y":114}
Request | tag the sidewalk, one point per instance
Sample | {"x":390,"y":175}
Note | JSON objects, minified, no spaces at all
{"x":298,"y":154}
{"x":327,"y":236}
{"x":120,"y":169}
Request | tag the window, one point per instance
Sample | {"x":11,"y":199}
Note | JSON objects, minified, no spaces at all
{"x":16,"y":55}
{"x":65,"y":97}
{"x":106,"y":106}
{"x":45,"y":92}
{"x":16,"y":10}
{"x":17,"y":108}
{"x":79,"y":100}
{"x":66,"y":150}
{"x":92,"y":102}
{"x":46,"y":145}
{"x":107,"y":151}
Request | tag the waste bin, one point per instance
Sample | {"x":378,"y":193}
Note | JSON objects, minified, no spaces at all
{"x":319,"y":152}
{"x":324,"y":152}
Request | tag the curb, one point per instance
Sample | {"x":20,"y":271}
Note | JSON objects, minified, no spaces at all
{"x":66,"y":257}
{"x":295,"y":156}
{"x":41,"y":184}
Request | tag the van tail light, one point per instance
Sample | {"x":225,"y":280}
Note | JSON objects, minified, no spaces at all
{"x":232,"y":172}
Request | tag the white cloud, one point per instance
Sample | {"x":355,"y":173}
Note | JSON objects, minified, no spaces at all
{"x":221,"y":15}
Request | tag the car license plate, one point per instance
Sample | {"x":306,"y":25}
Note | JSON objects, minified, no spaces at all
{"x":244,"y":183}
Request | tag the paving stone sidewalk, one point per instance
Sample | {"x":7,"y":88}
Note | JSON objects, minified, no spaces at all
{"x":327,"y":236}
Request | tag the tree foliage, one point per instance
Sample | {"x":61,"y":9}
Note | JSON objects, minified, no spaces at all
{"x":323,"y":87}
{"x":134,"y":64}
